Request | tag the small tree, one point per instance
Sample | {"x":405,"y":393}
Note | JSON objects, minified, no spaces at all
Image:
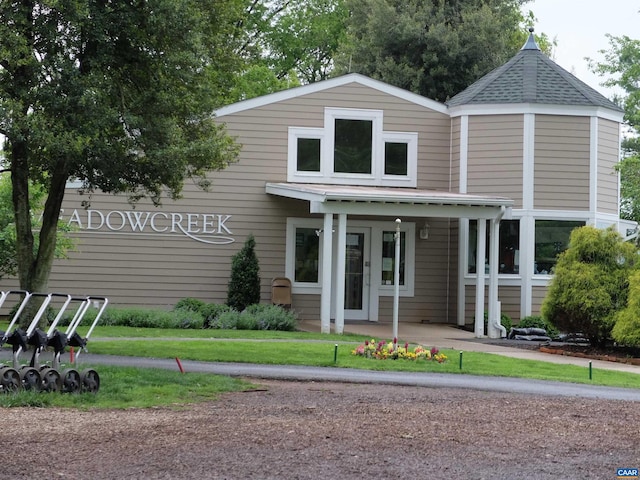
{"x":244,"y":284}
{"x":627,"y":328}
{"x":591,"y":283}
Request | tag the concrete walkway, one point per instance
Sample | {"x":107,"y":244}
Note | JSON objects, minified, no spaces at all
{"x":352,"y":375}
{"x":451,"y":337}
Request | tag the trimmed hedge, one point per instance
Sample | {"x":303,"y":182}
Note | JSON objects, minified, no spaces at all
{"x":141,"y":318}
{"x":194,"y":313}
{"x":254,"y":317}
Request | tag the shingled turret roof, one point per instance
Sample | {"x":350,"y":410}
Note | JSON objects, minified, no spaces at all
{"x":531,"y":77}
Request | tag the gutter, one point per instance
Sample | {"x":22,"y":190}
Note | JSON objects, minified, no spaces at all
{"x":495,"y":321}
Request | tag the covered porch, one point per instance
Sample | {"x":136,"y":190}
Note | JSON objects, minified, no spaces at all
{"x":337,"y":204}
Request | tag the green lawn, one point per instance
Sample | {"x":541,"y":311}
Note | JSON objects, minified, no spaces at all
{"x":319,"y":353}
{"x":134,"y":387}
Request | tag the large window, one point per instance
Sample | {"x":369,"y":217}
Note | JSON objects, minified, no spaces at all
{"x":552,"y":238}
{"x":508,"y":247}
{"x":389,"y":257}
{"x":307,"y":255}
{"x":352,"y":148}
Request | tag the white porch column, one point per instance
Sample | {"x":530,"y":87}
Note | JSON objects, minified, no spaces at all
{"x":494,"y":311}
{"x":327,"y":274}
{"x":340,"y":271}
{"x":463,"y":265}
{"x":480,"y":258}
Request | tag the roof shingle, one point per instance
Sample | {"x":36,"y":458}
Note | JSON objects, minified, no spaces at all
{"x":531,"y":77}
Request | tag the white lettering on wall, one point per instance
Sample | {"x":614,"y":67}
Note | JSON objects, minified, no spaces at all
{"x":201,"y":227}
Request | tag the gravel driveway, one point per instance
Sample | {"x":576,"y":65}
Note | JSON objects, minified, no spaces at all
{"x":317,"y":430}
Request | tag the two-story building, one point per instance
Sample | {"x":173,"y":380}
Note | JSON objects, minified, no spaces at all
{"x":487,"y":188}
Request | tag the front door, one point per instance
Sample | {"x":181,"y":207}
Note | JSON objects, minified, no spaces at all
{"x":357,"y":268}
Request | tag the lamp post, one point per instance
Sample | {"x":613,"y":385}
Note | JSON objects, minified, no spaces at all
{"x":396,"y":282}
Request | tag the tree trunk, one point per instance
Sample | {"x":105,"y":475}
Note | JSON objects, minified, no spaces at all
{"x":22,"y":212}
{"x":34,"y":270}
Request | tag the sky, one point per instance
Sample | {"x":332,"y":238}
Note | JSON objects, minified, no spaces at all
{"x":580,"y":28}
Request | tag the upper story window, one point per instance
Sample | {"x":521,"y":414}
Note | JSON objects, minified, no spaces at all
{"x":352,"y":148}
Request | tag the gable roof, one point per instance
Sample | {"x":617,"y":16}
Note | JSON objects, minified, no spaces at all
{"x":351,"y":78}
{"x":531,"y":77}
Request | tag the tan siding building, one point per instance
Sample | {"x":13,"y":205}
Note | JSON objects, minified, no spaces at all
{"x":477,"y":196}
{"x":561,"y":169}
{"x":495,"y":150}
{"x":608,"y":155}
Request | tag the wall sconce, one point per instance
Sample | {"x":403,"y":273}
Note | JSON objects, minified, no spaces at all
{"x":424,"y":232}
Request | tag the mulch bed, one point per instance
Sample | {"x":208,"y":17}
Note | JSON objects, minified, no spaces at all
{"x":609,"y":353}
{"x":626,"y":355}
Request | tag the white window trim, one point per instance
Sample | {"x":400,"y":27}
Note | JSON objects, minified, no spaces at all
{"x":377,"y":146}
{"x":326,"y":135}
{"x":501,"y":276}
{"x":293,"y":175}
{"x":406,"y":290}
{"x":411,"y":139}
{"x":290,"y":261}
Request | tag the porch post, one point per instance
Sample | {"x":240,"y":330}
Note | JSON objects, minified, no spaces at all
{"x":396,"y":281}
{"x":325,"y":296}
{"x":495,"y":329}
{"x":494,"y":313}
{"x":480,"y":263}
{"x":340,"y":271}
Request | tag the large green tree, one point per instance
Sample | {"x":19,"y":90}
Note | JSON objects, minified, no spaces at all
{"x":621,"y":69}
{"x":306,"y":37}
{"x":434,"y":48}
{"x":287,"y":43}
{"x":115,"y":93}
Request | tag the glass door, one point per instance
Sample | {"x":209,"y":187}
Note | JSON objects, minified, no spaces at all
{"x":356,"y":281}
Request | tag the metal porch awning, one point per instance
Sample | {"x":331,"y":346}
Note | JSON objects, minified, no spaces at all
{"x":391,"y":201}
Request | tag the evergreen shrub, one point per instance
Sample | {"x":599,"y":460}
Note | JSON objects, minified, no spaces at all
{"x":244,"y":283}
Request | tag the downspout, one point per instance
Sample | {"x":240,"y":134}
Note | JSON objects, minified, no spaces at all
{"x":494,"y":304}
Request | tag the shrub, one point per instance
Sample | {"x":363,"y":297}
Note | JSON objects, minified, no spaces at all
{"x":256,"y":317}
{"x":193,"y":304}
{"x":211,"y":311}
{"x":142,"y":318}
{"x":590,"y":284}
{"x":247,"y":321}
{"x":226,"y":320}
{"x":274,"y":317}
{"x":244,"y":284}
{"x":627,"y":328}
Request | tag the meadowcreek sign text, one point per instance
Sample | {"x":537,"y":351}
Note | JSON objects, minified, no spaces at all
{"x":202,"y":227}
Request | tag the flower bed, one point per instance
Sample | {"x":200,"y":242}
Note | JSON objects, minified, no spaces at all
{"x":391,"y":350}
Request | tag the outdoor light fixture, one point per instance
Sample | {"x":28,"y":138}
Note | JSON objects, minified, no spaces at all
{"x":424,"y":231}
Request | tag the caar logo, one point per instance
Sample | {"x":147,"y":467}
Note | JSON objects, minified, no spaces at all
{"x":627,"y":473}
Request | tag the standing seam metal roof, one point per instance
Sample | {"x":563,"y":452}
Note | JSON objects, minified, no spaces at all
{"x":531,"y":77}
